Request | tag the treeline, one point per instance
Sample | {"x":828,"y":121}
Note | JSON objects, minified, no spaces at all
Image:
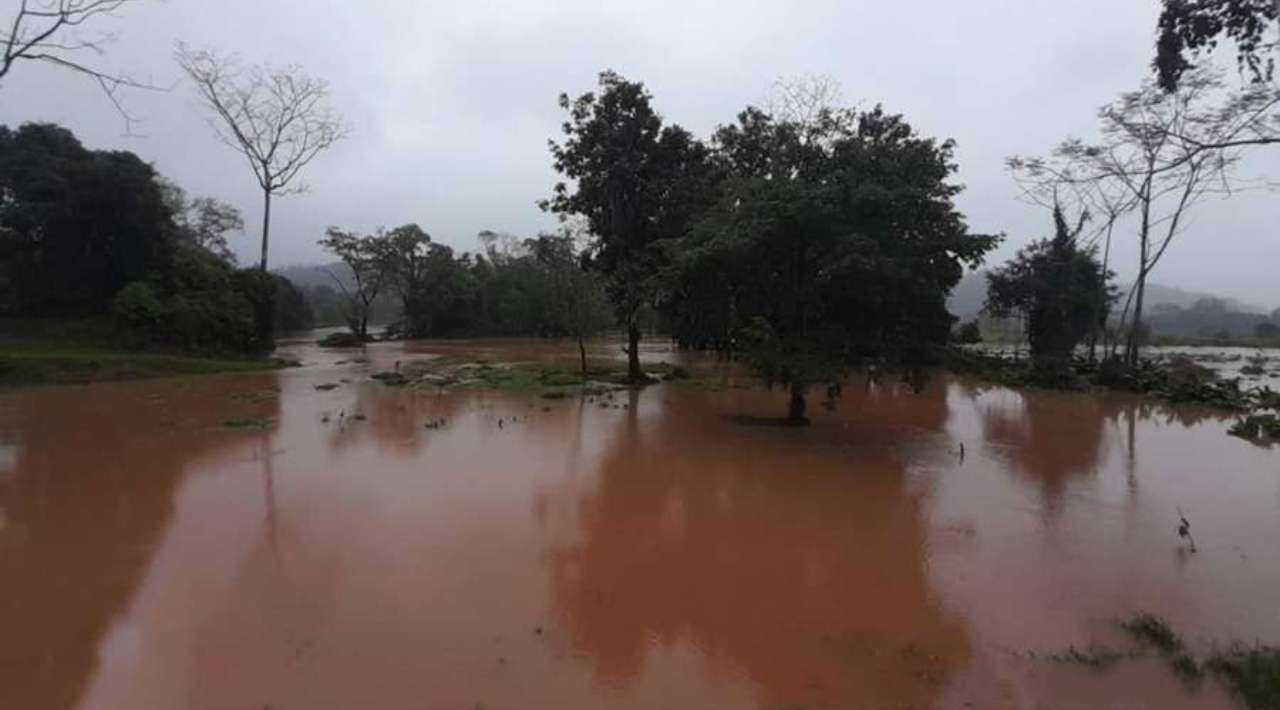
{"x":1213,"y":319}
{"x":90,"y":234}
{"x":512,"y":287}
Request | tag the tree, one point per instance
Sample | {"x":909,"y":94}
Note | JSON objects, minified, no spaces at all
{"x":635,"y":182}
{"x":1162,"y":153}
{"x":279,"y":120}
{"x":969,"y":333}
{"x":368,"y":257}
{"x":76,"y":225}
{"x":840,"y":238}
{"x":291,"y":310}
{"x":1267,"y":331}
{"x":409,"y":251}
{"x":1187,"y":28}
{"x":577,"y":296}
{"x":203,"y":222}
{"x":1057,"y":287}
{"x":43,"y":31}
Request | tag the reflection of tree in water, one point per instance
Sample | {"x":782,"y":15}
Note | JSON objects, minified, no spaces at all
{"x":1054,"y":438}
{"x":1050,"y":438}
{"x":781,"y":555}
{"x":86,"y":503}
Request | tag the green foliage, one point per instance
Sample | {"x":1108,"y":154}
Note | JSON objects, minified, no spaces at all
{"x":290,"y":309}
{"x":1152,"y":630}
{"x":635,"y":182}
{"x":137,"y":307}
{"x":1059,"y":289}
{"x":1188,"y":27}
{"x":78,"y":224}
{"x":969,"y":334}
{"x":834,"y":243}
{"x":1254,"y":674}
{"x":372,"y":265}
{"x":43,"y":363}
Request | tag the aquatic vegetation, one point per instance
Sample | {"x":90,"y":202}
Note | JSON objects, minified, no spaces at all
{"x":341,"y":339}
{"x":1260,"y":428}
{"x":1153,"y":630}
{"x":554,"y":382}
{"x":247,"y":423}
{"x":1095,"y":656}
{"x":1253,"y":672}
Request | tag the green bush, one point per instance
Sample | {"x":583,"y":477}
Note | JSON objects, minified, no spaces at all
{"x":136,"y":307}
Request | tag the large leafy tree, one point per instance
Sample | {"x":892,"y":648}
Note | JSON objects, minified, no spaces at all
{"x":1188,"y":28}
{"x":76,"y":225}
{"x":1059,"y":288}
{"x":838,"y":237}
{"x":635,"y":182}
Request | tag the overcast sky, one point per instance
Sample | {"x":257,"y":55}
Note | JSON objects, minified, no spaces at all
{"x":451,"y":104}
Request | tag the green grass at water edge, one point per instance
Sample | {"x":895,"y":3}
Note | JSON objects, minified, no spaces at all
{"x":30,"y":364}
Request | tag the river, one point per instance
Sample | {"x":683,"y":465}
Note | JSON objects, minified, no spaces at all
{"x":656,"y":549}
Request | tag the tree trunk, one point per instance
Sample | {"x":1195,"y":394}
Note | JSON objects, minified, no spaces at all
{"x":796,"y":408}
{"x":1135,"y":331}
{"x":266,"y":225}
{"x":582,"y":352}
{"x":634,"y":373}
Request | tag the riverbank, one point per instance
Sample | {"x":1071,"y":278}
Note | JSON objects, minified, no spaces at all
{"x":26,"y":364}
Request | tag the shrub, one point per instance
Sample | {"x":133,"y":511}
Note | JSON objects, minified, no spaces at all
{"x":136,"y":307}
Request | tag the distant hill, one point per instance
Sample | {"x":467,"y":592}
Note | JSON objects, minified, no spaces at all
{"x":327,"y":300}
{"x":307,"y":277}
{"x":970,"y":294}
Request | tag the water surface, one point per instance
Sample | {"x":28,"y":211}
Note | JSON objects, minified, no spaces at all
{"x":655,"y":549}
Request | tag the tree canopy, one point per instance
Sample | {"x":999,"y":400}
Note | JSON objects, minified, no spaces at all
{"x":635,"y":182}
{"x":834,"y":241}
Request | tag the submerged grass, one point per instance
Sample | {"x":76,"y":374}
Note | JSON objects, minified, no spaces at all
{"x":553,"y":382}
{"x":1153,"y":630}
{"x":1253,"y":672}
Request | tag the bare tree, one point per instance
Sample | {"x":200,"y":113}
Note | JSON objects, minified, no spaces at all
{"x":48,"y":31}
{"x":279,"y":119}
{"x":1159,"y":154}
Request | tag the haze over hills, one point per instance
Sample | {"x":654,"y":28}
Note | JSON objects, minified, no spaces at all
{"x":971,"y":293}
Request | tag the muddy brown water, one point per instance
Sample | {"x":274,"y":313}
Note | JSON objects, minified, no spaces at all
{"x":656,"y":549}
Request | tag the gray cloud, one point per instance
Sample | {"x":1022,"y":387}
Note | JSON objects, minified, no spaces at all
{"x":452,"y":103}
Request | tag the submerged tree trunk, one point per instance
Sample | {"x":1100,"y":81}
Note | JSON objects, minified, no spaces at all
{"x":634,"y":373}
{"x":796,"y":408}
{"x":582,"y":353}
{"x":266,"y":225}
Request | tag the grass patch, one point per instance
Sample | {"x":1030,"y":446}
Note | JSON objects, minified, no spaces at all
{"x":247,"y":423}
{"x":29,"y":364}
{"x":552,"y":382}
{"x":1096,"y":657}
{"x":1152,"y":630}
{"x":1253,"y":672}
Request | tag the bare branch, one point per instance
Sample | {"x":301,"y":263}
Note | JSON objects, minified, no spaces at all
{"x":45,"y":31}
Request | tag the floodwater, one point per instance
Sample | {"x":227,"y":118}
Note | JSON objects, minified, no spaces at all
{"x":659,"y":549}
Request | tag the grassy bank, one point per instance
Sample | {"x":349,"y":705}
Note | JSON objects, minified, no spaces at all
{"x":24,"y":364}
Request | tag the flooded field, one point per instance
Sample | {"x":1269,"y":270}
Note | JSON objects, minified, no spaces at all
{"x":251,"y":541}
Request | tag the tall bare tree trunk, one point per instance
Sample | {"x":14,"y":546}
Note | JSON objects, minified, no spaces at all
{"x":1135,"y":331}
{"x":266,"y":225}
{"x":582,"y":352}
